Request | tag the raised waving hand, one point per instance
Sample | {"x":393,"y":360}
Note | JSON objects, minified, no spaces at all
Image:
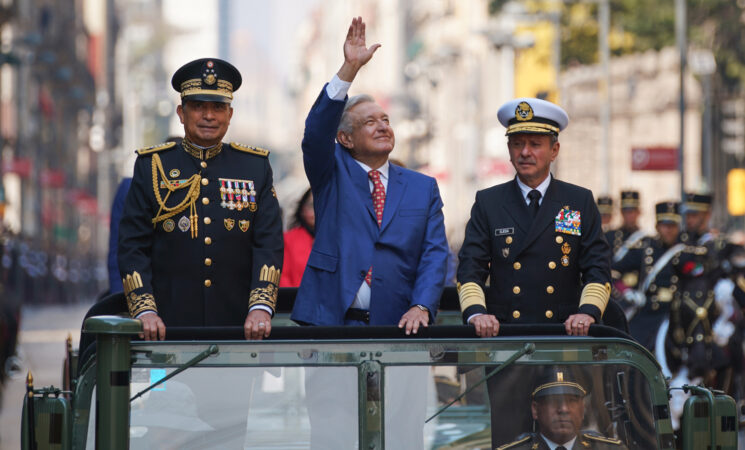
{"x":356,"y":52}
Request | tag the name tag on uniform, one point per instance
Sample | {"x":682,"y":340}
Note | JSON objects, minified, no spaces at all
{"x":504,"y":231}
{"x":568,"y":221}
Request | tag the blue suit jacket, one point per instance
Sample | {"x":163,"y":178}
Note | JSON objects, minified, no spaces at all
{"x":408,"y":252}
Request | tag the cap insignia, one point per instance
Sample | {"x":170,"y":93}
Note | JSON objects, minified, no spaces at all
{"x":560,"y":376}
{"x":210,"y":79}
{"x":523,"y":112}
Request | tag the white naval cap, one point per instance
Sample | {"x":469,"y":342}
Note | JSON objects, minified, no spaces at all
{"x":532,"y":115}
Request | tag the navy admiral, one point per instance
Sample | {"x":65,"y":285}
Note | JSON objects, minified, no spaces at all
{"x":201,"y":235}
{"x":558,"y":409}
{"x":648,"y":304}
{"x":538,"y":239}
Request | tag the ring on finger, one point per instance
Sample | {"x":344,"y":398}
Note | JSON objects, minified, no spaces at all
{"x":261,"y":324}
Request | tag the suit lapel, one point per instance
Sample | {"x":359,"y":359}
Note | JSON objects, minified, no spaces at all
{"x":360,"y":181}
{"x":393,"y":195}
{"x":546,"y":214}
{"x":516,"y":208}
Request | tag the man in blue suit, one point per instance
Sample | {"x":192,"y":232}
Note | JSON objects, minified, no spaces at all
{"x":380,"y":252}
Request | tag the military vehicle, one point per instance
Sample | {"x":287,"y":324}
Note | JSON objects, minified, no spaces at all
{"x":354,"y":387}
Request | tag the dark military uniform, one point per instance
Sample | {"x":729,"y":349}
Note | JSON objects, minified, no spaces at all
{"x":201,"y":235}
{"x":586,"y":440}
{"x":624,"y":240}
{"x":539,"y":268}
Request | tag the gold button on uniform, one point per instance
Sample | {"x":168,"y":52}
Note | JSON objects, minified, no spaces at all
{"x":551,"y":265}
{"x":207,"y":261}
{"x":508,"y":240}
{"x":205,"y":182}
{"x":516,"y":290}
{"x":549,"y":314}
{"x":207,"y":220}
{"x":208,"y":240}
{"x":559,"y":239}
{"x":517,"y":266}
{"x":550,"y":289}
{"x":516,"y":314}
{"x":203,"y":164}
{"x":205,"y":201}
{"x":207,"y":283}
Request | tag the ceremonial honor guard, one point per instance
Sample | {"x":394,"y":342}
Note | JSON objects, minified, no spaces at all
{"x":605,"y":207}
{"x":538,"y":239}
{"x":201,"y":235}
{"x":648,"y":304}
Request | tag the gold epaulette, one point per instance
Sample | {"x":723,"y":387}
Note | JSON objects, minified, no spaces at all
{"x":601,"y":439}
{"x":155,"y":148}
{"x":513,"y":444}
{"x":247,"y":149}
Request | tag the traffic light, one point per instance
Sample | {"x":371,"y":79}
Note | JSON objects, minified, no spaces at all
{"x":736,"y":192}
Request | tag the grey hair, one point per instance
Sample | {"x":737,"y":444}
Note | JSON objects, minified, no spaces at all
{"x":346,"y":124}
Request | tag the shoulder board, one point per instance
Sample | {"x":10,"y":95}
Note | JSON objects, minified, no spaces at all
{"x":247,"y":149}
{"x":155,"y":148}
{"x":513,"y":444}
{"x":595,"y":437}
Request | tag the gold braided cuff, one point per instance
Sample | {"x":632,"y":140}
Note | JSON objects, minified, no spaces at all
{"x":264,"y":296}
{"x":471,"y":294}
{"x":741,"y":282}
{"x":140,"y":303}
{"x":595,"y":294}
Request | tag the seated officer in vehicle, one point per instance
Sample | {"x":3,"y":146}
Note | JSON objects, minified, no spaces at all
{"x":558,"y":408}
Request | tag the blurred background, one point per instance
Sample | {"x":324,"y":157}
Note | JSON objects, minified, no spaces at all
{"x":654,"y":91}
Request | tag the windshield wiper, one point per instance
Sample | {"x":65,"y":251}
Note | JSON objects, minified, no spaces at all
{"x":528,"y":349}
{"x":211,"y":350}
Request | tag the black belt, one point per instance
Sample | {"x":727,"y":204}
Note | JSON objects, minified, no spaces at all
{"x":362,"y":315}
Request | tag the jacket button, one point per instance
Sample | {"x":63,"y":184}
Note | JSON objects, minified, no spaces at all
{"x":516,"y":290}
{"x":515,"y":314}
{"x":205,"y":181}
{"x":207,"y":220}
{"x":203,"y":164}
{"x":508,"y":240}
{"x":517,"y":265}
{"x":551,"y":265}
{"x":205,"y":201}
{"x":208,"y":240}
{"x":549,"y":314}
{"x":550,"y":289}
{"x":207,"y":261}
{"x":559,"y":239}
{"x":207,"y":283}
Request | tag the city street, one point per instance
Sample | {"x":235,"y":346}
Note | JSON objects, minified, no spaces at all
{"x":42,"y":349}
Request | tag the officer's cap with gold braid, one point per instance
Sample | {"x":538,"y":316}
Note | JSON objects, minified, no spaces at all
{"x":532,"y":115}
{"x":605,"y":204}
{"x":557,"y":381}
{"x":629,"y":199}
{"x":696,"y":202}
{"x":668,"y":212}
{"x":207,"y":80}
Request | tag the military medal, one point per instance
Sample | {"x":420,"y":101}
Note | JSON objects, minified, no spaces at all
{"x":244,"y":195}
{"x":229,"y":224}
{"x":169,"y":225}
{"x":184,"y":224}
{"x":506,"y":252}
{"x":252,"y":196}
{"x":174,"y":173}
{"x":565,"y":249}
{"x":243,"y":225}
{"x":231,"y":203}
{"x":224,"y":204}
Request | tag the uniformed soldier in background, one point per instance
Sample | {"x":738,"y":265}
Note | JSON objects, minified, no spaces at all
{"x":605,"y":207}
{"x":538,"y":239}
{"x":558,"y":409}
{"x":648,"y":304}
{"x":201,"y":236}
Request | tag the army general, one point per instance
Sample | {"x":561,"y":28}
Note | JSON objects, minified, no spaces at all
{"x":538,"y":239}
{"x":200,"y":239}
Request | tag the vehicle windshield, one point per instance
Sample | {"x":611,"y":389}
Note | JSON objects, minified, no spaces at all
{"x":341,"y":394}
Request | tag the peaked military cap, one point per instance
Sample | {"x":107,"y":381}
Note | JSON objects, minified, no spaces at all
{"x":697,"y":202}
{"x":207,"y":79}
{"x":532,"y":115}
{"x":557,"y":381}
{"x":629,"y":199}
{"x":668,"y":212}
{"x":605,"y":204}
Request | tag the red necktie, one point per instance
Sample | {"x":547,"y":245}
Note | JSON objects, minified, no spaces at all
{"x":378,"y":196}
